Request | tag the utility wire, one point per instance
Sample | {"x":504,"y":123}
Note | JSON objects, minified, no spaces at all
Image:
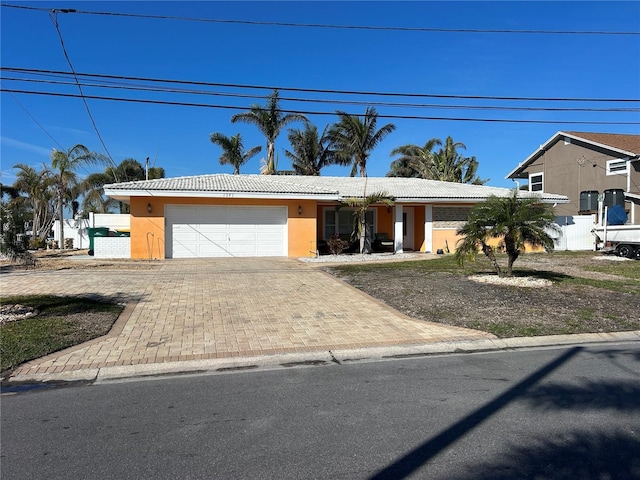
{"x":133,"y":87}
{"x":318,"y":90}
{"x":34,"y":119}
{"x":331,"y":26}
{"x":53,"y":15}
{"x":402,"y":117}
{"x":40,"y":125}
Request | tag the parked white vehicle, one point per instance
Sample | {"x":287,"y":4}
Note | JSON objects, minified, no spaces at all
{"x":623,"y":240}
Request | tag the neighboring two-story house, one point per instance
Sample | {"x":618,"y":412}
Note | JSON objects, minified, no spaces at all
{"x":585,"y":166}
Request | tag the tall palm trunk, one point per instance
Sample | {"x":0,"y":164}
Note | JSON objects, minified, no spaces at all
{"x":271,"y":167}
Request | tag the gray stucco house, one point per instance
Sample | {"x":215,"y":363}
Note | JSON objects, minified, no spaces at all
{"x":584,"y":166}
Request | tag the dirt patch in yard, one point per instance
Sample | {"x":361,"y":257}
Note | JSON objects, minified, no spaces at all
{"x":75,"y":259}
{"x":579,"y":300}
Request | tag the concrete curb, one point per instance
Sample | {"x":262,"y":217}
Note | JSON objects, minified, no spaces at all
{"x":324,"y":357}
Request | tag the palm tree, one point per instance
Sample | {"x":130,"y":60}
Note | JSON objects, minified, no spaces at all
{"x":515,"y":220}
{"x":128,"y":170}
{"x":38,"y":197}
{"x":233,"y":150}
{"x":360,"y":206}
{"x":415,"y":161}
{"x":65,"y":164}
{"x":353,"y":139}
{"x":270,"y":120}
{"x":310,"y":152}
{"x":450,"y":166}
{"x":94,"y":199}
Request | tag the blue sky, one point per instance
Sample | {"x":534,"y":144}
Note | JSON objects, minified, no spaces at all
{"x":444,"y":63}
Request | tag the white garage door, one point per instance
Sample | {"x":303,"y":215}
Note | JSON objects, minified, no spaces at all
{"x":204,"y":232}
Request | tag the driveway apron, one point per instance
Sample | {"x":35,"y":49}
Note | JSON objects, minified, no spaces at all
{"x":219,"y":308}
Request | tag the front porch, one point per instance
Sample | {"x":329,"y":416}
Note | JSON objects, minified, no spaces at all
{"x":411,"y":226}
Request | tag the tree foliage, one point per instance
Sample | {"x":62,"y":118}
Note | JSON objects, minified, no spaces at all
{"x":310,"y":152}
{"x":64,"y":164}
{"x":447,"y":164}
{"x":10,"y":219}
{"x":233,"y":152}
{"x":128,"y":170}
{"x":270,"y":120}
{"x":360,"y":206}
{"x":353,"y":139}
{"x":514,"y":220}
{"x":415,"y":161}
{"x":36,"y":193}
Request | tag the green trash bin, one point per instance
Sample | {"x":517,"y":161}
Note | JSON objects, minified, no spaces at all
{"x":96,"y":232}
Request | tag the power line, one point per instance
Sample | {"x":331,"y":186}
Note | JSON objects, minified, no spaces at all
{"x":53,"y":15}
{"x":319,"y":90}
{"x":133,"y":87}
{"x":401,"y":117}
{"x":34,"y":119}
{"x":331,"y":26}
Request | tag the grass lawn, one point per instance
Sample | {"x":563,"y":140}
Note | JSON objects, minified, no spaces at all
{"x":589,"y":293}
{"x":61,"y":322}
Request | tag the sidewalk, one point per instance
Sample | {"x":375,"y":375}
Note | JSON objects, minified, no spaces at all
{"x":215,"y":315}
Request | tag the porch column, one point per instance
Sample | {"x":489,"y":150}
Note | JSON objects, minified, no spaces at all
{"x":428,"y":228}
{"x":397,"y":229}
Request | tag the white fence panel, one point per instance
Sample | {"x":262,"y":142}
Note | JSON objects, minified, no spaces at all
{"x":73,"y":229}
{"x":114,"y":221}
{"x":77,"y":229}
{"x":575,"y":232}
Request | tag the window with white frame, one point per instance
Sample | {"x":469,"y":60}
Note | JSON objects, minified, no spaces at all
{"x":342,"y":221}
{"x":535,"y":182}
{"x":617,"y":167}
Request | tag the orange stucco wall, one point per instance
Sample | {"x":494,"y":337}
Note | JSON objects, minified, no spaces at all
{"x":147,"y":229}
{"x":441,"y":237}
{"x":418,"y":228}
{"x":385,"y":220}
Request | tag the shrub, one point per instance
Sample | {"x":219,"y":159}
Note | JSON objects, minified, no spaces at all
{"x":336,"y":244}
{"x":36,"y":243}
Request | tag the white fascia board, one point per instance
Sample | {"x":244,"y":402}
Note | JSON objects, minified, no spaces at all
{"x":554,"y":138}
{"x":535,"y":154}
{"x":204,"y":194}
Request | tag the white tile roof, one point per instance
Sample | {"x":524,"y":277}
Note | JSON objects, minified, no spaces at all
{"x":274,"y":186}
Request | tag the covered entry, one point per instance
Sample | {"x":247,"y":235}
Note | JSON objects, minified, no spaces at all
{"x":229,"y":231}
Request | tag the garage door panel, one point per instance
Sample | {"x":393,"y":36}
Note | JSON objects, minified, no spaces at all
{"x":212,"y":250}
{"x":213,"y":231}
{"x":185,"y":233}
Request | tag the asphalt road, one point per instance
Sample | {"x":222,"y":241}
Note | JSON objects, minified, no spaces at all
{"x":571,"y":413}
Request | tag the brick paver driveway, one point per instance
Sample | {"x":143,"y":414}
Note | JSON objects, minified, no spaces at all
{"x":215,"y":308}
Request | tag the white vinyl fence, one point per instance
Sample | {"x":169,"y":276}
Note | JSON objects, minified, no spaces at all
{"x":76,"y":229}
{"x":575,"y":232}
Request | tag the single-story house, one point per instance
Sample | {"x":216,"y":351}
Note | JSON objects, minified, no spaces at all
{"x":223,"y":215}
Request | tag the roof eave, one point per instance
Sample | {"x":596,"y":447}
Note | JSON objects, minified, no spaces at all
{"x":126,"y":194}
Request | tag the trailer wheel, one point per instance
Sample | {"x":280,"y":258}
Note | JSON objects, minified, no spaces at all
{"x":637,"y":255}
{"x":625,"y":251}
